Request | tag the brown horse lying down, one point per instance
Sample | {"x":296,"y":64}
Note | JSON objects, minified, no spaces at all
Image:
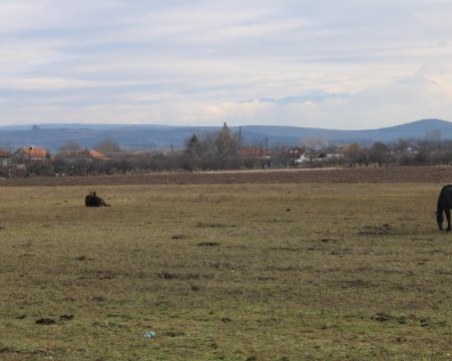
{"x":92,"y":200}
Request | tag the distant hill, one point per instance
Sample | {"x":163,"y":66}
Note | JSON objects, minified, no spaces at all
{"x":53,"y":136}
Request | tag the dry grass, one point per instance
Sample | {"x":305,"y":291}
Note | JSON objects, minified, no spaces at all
{"x":233,"y":272}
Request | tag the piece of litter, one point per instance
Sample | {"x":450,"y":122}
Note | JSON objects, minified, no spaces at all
{"x":150,"y":334}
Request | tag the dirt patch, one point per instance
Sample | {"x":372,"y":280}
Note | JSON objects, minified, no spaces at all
{"x":184,"y":276}
{"x":212,"y":225}
{"x":45,"y":321}
{"x":357,"y":283}
{"x":208,"y":244}
{"x":382,"y":230}
{"x":179,"y":236}
{"x":15,"y":351}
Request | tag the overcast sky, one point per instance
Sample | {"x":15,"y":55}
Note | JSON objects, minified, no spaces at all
{"x":350,"y":64}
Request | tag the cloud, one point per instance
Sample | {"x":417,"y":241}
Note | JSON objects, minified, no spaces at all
{"x":325,"y":63}
{"x":312,"y":97}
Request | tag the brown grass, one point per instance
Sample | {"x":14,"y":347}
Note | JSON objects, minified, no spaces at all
{"x":268,"y":271}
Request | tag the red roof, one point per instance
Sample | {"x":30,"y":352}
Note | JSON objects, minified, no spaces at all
{"x":91,"y":153}
{"x":84,"y":153}
{"x":254,"y":152}
{"x":4,"y":153}
{"x":34,"y":152}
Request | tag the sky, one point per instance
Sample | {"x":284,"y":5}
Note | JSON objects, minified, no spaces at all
{"x":350,"y":64}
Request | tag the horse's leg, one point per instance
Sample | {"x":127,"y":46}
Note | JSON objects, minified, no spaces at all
{"x":447,"y":211}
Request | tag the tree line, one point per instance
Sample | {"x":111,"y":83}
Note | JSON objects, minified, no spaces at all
{"x":224,"y":150}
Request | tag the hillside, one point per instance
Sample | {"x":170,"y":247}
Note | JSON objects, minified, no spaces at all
{"x":414,"y":130}
{"x":53,"y":136}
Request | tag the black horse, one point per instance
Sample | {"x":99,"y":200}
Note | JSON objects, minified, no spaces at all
{"x":93,"y":200}
{"x":444,"y":205}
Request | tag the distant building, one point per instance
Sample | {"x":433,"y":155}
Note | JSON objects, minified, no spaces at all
{"x":305,"y":158}
{"x":260,"y":155}
{"x":296,"y":156}
{"x":413,"y":149}
{"x":5,"y":158}
{"x":256,"y":152}
{"x":294,"y":152}
{"x":30,"y":153}
{"x":86,"y":154}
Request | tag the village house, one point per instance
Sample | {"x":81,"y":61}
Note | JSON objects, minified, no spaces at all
{"x":298,"y":156}
{"x":5,"y":159}
{"x":305,"y":158}
{"x":413,"y":149}
{"x":294,"y":152}
{"x":255,"y":152}
{"x":260,"y":154}
{"x":82,"y":154}
{"x":31,"y":153}
{"x":18,"y":161}
{"x":324,"y":157}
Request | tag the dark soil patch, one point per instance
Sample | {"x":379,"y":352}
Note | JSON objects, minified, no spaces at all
{"x":45,"y":321}
{"x":101,"y":275}
{"x":284,"y":249}
{"x":381,"y":317}
{"x":357,"y":283}
{"x":183,"y":276}
{"x":376,"y":230}
{"x":213,"y":225}
{"x":179,"y":236}
{"x":174,"y":333}
{"x":66,"y":317}
{"x":13,"y":350}
{"x":223,"y":265}
{"x":208,"y":244}
{"x":266,"y":278}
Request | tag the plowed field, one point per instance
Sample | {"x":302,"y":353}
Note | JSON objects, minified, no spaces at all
{"x":326,"y":175}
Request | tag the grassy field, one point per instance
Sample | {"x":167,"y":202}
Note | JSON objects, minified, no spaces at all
{"x":225,"y":272}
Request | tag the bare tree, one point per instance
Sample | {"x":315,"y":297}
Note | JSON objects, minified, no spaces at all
{"x":379,"y":153}
{"x":355,"y":154}
{"x":108,"y":146}
{"x":70,"y":146}
{"x":211,"y":151}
